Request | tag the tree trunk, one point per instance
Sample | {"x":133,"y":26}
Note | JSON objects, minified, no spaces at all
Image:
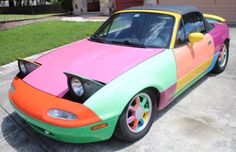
{"x":18,"y":2}
{"x":42,"y":2}
{"x":28,"y":3}
{"x":11,"y":3}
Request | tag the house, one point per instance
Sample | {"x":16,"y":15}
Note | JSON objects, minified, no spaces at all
{"x":106,"y":7}
{"x":224,"y":8}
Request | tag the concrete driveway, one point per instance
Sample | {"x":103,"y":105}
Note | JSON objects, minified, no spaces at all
{"x":201,"y":119}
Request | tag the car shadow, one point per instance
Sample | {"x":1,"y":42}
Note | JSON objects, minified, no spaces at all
{"x":47,"y":144}
{"x":17,"y":132}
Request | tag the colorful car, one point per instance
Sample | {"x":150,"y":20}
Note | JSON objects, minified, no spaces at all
{"x":137,"y":62}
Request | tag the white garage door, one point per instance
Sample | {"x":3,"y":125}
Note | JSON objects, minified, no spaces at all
{"x":224,"y":8}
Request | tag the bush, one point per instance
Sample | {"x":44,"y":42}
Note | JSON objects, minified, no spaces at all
{"x":66,"y":5}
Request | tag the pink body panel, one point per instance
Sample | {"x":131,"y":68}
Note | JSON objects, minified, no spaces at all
{"x":97,"y":61}
{"x":219,"y":35}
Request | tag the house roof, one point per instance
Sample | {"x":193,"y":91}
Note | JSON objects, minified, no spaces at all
{"x":180,"y":9}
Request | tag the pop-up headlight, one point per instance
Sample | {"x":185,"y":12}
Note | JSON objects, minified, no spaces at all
{"x":76,"y":86}
{"x":26,"y":66}
{"x":82,"y":88}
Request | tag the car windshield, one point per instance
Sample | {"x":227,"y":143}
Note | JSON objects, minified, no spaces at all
{"x":136,"y":29}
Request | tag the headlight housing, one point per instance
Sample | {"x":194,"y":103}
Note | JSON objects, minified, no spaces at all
{"x":26,"y":66}
{"x":12,"y":88}
{"x":81,"y":88}
{"x":77,"y":86}
{"x":60,"y":114}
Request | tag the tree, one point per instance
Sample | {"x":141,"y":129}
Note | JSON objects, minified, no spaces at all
{"x":28,"y":3}
{"x":67,"y":5}
{"x":11,"y":3}
{"x":18,"y":2}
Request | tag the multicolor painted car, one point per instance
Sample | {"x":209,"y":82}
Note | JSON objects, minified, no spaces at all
{"x":112,"y":83}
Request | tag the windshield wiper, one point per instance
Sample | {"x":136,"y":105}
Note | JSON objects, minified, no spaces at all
{"x":129,"y":43}
{"x":96,"y":39}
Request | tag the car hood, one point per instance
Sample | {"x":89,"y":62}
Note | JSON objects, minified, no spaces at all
{"x":92,"y":60}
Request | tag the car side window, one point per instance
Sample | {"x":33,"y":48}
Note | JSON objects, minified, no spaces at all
{"x":193,"y":22}
{"x":181,"y":37}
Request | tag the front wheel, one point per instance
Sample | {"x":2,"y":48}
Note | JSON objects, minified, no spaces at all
{"x":137,"y":117}
{"x":222,"y":61}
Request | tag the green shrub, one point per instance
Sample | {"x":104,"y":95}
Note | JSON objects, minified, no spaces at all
{"x":67,"y":5}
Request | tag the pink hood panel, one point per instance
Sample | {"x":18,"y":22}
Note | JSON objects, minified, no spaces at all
{"x":97,"y":61}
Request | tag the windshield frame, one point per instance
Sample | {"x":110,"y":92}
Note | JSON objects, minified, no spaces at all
{"x":108,"y":21}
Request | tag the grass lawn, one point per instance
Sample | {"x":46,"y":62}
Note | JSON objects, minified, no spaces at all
{"x":15,"y":17}
{"x":31,"y":39}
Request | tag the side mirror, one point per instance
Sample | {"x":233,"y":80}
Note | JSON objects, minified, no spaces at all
{"x":195,"y":37}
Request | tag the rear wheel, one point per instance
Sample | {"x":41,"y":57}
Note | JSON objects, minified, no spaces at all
{"x":137,"y":117}
{"x":222,"y":60}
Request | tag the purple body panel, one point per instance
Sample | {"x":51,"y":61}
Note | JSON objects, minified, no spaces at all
{"x":97,"y":61}
{"x":166,"y":97}
{"x":219,"y":34}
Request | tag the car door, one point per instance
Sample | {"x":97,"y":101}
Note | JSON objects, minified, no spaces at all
{"x":192,"y":60}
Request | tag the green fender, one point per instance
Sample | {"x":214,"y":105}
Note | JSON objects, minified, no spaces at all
{"x":158,"y":71}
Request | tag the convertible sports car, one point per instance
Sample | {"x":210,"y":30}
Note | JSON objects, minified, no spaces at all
{"x":137,"y":62}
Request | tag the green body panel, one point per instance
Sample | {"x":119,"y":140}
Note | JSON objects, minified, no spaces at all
{"x":158,"y":71}
{"x":72,"y":135}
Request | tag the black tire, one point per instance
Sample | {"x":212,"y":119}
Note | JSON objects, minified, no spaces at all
{"x":219,"y":66}
{"x":123,"y":131}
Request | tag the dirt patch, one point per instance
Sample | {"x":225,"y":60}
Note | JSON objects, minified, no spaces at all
{"x":7,"y":25}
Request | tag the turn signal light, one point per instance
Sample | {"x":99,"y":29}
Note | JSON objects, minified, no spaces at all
{"x":100,"y":126}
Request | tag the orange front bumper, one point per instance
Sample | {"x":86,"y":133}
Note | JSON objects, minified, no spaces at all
{"x":36,"y":104}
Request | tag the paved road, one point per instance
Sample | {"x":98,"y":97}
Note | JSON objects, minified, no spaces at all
{"x":202,"y":119}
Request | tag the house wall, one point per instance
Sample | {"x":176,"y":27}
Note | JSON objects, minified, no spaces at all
{"x":150,"y":1}
{"x":224,"y":8}
{"x":80,"y":6}
{"x":106,"y":6}
{"x":123,"y":4}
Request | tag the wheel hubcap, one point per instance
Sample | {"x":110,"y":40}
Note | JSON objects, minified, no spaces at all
{"x":139,"y":112}
{"x":223,"y":56}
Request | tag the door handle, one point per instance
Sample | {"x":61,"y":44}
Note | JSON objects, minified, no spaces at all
{"x":209,"y":42}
